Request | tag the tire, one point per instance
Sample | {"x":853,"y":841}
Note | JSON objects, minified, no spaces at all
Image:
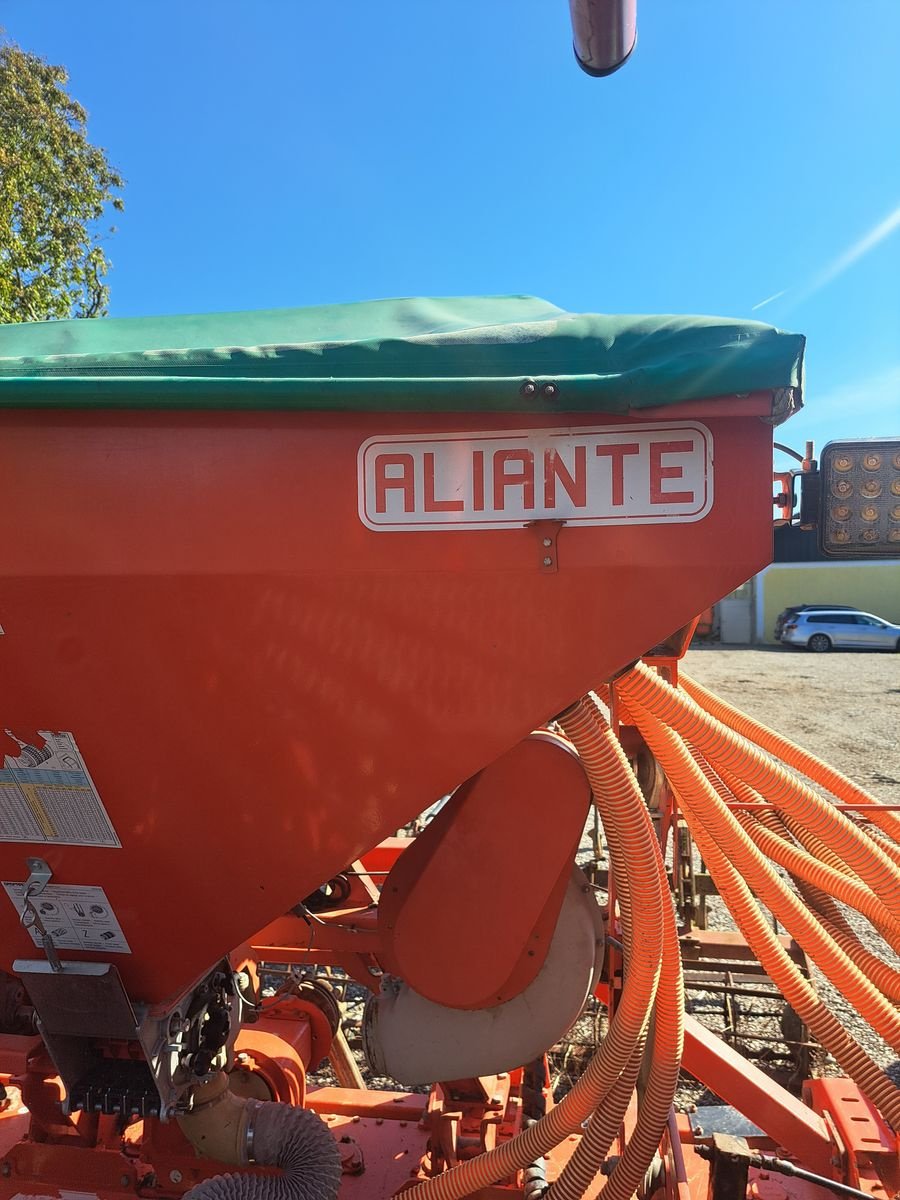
{"x":819,"y":643}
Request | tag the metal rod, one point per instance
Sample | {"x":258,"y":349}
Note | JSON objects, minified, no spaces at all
{"x":787,"y":450}
{"x":751,"y":804}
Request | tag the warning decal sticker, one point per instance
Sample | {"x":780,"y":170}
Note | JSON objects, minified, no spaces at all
{"x":47,"y":795}
{"x":62,"y":1195}
{"x":76,"y":918}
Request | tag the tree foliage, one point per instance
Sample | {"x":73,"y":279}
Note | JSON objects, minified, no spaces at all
{"x":54,"y":188}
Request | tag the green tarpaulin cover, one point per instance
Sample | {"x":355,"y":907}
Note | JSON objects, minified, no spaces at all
{"x":464,"y":353}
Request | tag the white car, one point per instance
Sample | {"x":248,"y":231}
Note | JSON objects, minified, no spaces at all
{"x":840,"y":630}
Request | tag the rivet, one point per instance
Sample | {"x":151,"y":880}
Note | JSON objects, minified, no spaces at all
{"x":549,"y":390}
{"x":528,"y":388}
{"x":548,"y":561}
{"x":548,"y":541}
{"x":175,"y":1176}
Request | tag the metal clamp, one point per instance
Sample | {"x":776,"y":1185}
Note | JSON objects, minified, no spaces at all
{"x":40,"y":875}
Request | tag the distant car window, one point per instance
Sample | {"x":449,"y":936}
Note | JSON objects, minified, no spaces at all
{"x":832,"y":619}
{"x":862,"y":620}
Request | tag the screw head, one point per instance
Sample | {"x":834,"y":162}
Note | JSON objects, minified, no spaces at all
{"x":548,"y":561}
{"x":528,"y":388}
{"x":550,"y":390}
{"x":548,"y":541}
{"x":175,"y":1176}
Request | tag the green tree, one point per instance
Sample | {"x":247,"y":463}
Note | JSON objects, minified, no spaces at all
{"x":54,"y":187}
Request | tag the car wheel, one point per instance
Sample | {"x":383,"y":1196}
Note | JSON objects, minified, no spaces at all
{"x":819,"y":643}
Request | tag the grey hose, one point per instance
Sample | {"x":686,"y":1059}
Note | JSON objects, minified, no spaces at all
{"x":294,"y":1139}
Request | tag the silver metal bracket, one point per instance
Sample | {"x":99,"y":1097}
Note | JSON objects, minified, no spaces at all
{"x":39,"y":876}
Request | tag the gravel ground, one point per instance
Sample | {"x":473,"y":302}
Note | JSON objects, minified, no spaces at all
{"x":845,"y":707}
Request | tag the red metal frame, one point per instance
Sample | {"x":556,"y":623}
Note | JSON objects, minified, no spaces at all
{"x":389,"y":1141}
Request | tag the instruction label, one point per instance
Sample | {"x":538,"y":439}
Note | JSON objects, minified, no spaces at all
{"x":47,"y":795}
{"x":76,"y":918}
{"x":61,"y":1195}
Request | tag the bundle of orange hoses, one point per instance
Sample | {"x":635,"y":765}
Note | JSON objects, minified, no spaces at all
{"x":647,"y":1021}
{"x":716,"y":758}
{"x":718,"y":761}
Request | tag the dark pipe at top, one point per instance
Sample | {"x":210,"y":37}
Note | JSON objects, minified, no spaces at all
{"x":604,"y":32}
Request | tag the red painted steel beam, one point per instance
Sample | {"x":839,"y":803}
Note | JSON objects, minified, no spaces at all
{"x":787,"y":1120}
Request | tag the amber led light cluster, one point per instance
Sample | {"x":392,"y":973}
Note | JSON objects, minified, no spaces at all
{"x":860,"y":482}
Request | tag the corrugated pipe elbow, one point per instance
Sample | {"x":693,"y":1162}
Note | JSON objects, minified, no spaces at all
{"x":235,"y":1129}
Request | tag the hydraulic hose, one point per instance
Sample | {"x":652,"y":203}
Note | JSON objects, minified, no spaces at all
{"x":795,"y":756}
{"x":233,"y":1128}
{"x":621,"y":808}
{"x":689,"y":782}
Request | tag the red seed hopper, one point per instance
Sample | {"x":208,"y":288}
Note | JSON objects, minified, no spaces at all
{"x":283,"y":580}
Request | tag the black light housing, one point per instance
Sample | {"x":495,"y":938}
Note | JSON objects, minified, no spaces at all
{"x":859,"y":500}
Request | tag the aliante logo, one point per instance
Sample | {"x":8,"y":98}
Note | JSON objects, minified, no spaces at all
{"x":613,"y":475}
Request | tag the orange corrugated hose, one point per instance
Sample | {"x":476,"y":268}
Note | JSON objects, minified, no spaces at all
{"x":771,"y":836}
{"x":621,"y":808}
{"x":654,"y":1105}
{"x":705,"y":805}
{"x":724,"y":748}
{"x":808,"y":841}
{"x":604,"y":1124}
{"x":713,"y":829}
{"x":802,"y":865}
{"x":882,"y":839}
{"x":813,"y":864}
{"x":765,"y":825}
{"x":795,"y":756}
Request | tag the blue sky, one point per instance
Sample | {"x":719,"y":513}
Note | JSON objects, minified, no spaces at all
{"x":287,"y":152}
